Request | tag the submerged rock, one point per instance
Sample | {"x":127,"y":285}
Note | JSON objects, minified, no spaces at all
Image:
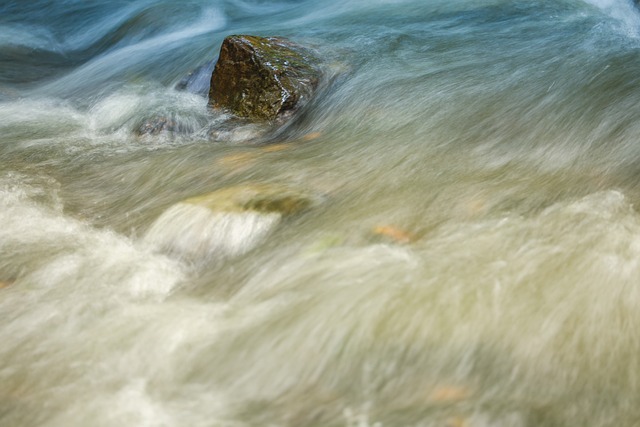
{"x":393,"y":233}
{"x":263,"y":78}
{"x":156,"y":126}
{"x":227,"y":222}
{"x":262,"y":198}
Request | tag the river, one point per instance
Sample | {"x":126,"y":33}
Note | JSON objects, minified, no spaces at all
{"x":471,"y":258}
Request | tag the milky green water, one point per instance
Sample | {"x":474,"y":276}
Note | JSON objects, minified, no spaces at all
{"x":471,"y":257}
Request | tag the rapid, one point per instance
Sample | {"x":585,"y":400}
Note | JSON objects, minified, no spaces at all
{"x":471,"y":257}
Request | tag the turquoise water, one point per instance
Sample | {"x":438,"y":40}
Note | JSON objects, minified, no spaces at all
{"x":471,"y":257}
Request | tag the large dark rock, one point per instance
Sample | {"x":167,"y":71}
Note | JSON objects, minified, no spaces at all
{"x":262,"y":78}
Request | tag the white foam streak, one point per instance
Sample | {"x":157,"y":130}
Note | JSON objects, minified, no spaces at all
{"x":624,"y":12}
{"x":102,"y":68}
{"x":73,"y":254}
{"x":28,"y":36}
{"x":196,"y":233}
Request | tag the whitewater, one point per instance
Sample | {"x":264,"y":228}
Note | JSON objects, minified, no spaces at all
{"x":470,"y":256}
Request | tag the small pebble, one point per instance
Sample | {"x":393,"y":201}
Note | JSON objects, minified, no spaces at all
{"x":395,"y":234}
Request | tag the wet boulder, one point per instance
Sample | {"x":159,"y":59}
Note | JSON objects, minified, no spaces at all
{"x":224,"y":223}
{"x":263,"y":78}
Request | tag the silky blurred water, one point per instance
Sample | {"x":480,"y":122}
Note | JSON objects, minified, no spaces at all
{"x":471,"y":257}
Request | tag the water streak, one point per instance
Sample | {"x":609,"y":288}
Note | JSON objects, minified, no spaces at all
{"x":473,"y":263}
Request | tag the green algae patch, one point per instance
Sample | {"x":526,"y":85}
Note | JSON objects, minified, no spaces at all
{"x":262,"y":198}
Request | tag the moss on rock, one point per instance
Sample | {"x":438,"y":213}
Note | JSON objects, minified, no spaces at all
{"x":263,"y":78}
{"x":262,"y":198}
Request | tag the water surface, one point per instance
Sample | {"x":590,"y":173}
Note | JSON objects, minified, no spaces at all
{"x":472,"y":257}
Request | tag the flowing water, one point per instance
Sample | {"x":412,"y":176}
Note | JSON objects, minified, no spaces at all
{"x":471,"y":258}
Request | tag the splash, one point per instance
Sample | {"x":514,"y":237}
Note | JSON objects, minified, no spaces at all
{"x":624,"y":12}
